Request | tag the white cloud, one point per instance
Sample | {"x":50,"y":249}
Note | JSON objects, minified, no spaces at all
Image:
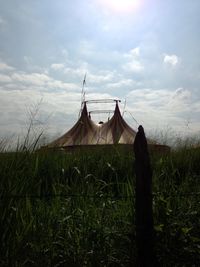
{"x":5,"y":67}
{"x":61,"y":108}
{"x":171,"y":60}
{"x":182,"y":94}
{"x":135,"y":52}
{"x":163,"y":99}
{"x":134,"y":66}
{"x":57,"y":66}
{"x":56,"y":84}
{"x":14,"y":117}
{"x":121,"y":83}
{"x":60,"y":99}
{"x":196,"y":107}
{"x":78,"y":72}
{"x":156,"y":109}
{"x":100,"y":77}
{"x":43,"y":81}
{"x":133,"y":63}
{"x":180,"y":101}
{"x":38,"y":81}
{"x":4,"y":78}
{"x":93,"y":77}
{"x":32,"y":78}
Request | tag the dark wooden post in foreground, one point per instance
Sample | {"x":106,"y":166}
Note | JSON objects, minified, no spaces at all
{"x":144,"y":214}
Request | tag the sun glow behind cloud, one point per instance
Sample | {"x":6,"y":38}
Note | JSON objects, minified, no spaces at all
{"x":120,"y":6}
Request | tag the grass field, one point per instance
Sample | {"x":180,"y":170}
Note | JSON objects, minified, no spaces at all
{"x":61,"y":209}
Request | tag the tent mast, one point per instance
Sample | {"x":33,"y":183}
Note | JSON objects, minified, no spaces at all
{"x":124,"y":108}
{"x":83,"y":94}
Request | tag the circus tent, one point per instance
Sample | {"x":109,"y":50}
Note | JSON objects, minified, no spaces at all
{"x":86,"y":132}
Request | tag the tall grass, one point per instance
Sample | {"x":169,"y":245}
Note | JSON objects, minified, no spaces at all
{"x":77,"y":209}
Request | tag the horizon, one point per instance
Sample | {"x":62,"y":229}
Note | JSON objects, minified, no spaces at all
{"x":36,"y":134}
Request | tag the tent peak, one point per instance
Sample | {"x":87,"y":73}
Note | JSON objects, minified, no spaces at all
{"x":117,"y":110}
{"x":84,"y":111}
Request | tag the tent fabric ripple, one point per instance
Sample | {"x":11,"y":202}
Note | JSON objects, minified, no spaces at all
{"x":87,"y":132}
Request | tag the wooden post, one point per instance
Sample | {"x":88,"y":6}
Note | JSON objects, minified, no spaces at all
{"x":144,"y":214}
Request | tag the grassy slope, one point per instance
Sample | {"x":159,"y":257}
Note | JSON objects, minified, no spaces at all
{"x":89,"y":221}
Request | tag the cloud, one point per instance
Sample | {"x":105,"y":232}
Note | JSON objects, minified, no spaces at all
{"x":171,"y":60}
{"x":134,"y":66}
{"x":5,"y":67}
{"x":102,"y":77}
{"x":121,"y":83}
{"x":171,"y":101}
{"x":135,"y":52}
{"x":180,"y":101}
{"x":5,"y":78}
{"x":61,"y":100}
{"x":15,"y":117}
{"x":57,"y":66}
{"x":156,"y":109}
{"x":93,"y":77}
{"x":37,"y":81}
{"x":182,"y":94}
{"x":58,"y":110}
{"x":132,"y":54}
{"x":153,"y":107}
{"x":78,"y":72}
{"x":133,"y":63}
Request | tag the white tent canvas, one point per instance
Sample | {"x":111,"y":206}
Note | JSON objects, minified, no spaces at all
{"x":86,"y":132}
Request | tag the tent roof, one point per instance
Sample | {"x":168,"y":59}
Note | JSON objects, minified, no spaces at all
{"x":87,"y":132}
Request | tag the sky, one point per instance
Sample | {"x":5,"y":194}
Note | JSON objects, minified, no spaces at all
{"x":144,"y":52}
